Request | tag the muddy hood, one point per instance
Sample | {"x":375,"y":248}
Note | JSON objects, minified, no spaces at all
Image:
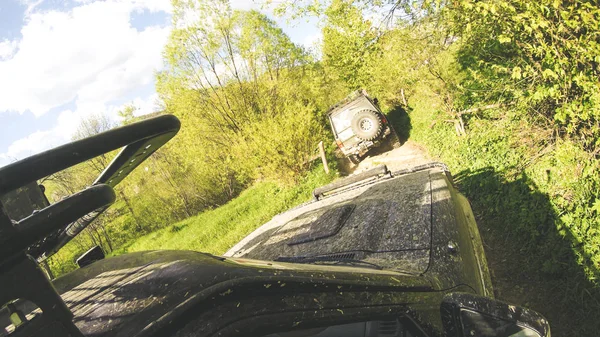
{"x":387,"y":223}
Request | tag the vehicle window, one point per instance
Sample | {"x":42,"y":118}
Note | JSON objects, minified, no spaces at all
{"x":341,"y":120}
{"x":346,"y":134}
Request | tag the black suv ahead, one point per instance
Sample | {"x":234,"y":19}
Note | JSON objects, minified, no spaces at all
{"x":359,"y":125}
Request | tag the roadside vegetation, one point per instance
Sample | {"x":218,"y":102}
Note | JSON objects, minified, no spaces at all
{"x":217,"y":230}
{"x":505,"y":92}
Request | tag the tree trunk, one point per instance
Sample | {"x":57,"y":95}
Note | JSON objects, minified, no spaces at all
{"x":138,"y":226}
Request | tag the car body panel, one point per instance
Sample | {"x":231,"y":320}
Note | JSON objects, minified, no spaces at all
{"x":140,"y":293}
{"x":457,"y":248}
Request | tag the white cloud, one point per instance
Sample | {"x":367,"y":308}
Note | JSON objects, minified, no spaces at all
{"x":146,"y":106}
{"x":7,"y":48}
{"x":312,"y":40}
{"x":247,"y":4}
{"x":67,"y":123}
{"x":31,"y":5}
{"x":31,"y":144}
{"x":39,"y":141}
{"x":151,"y":5}
{"x":90,"y":53}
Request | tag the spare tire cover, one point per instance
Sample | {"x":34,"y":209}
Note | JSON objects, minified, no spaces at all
{"x":367,"y":124}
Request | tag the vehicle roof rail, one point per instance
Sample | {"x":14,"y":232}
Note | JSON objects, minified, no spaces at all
{"x":433,"y":164}
{"x":368,"y":175}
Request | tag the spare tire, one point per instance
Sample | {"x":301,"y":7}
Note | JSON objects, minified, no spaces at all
{"x":367,"y":125}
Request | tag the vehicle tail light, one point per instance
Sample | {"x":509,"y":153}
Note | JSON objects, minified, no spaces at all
{"x":339,"y":144}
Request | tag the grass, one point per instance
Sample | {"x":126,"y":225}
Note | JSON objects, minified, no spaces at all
{"x":217,"y":230}
{"x":535,"y":200}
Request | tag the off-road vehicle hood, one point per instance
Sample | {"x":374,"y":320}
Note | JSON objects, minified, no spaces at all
{"x":386,"y":224}
{"x":147,"y":293}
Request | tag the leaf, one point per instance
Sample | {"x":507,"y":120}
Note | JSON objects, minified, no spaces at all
{"x":516,"y":73}
{"x":504,"y":39}
{"x":596,"y":206}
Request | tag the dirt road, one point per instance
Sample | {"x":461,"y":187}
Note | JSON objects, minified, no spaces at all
{"x":408,"y":155}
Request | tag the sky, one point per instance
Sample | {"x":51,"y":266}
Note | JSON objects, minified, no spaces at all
{"x":63,"y":60}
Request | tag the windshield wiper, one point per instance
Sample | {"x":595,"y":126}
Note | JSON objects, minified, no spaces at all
{"x":327,"y":259}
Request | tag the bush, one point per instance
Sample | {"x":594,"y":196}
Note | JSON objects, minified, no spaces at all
{"x":540,"y":55}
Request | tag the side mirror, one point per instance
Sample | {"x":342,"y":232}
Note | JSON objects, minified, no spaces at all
{"x":466,"y":315}
{"x":91,"y":256}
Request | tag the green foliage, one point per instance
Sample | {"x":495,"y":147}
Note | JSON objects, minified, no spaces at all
{"x":286,"y":143}
{"x":240,"y":82}
{"x":217,"y":230}
{"x":349,"y":42}
{"x":542,"y":55}
{"x":387,"y":57}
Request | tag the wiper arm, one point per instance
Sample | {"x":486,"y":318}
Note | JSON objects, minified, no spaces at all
{"x":333,"y":259}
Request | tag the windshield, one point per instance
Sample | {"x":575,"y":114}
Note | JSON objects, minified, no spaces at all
{"x":341,"y":120}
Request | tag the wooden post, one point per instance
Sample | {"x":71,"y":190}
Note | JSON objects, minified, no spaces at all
{"x":323,"y":158}
{"x":403,"y":97}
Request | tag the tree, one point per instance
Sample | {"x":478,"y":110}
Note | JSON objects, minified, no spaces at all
{"x":233,"y":76}
{"x":77,"y":178}
{"x":127,"y":114}
{"x":542,"y":56}
{"x":349,"y":43}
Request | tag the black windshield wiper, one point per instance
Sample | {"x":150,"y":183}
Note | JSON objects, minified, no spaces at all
{"x":326,"y":259}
